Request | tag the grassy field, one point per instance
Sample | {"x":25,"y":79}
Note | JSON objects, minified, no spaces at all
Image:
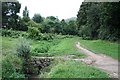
{"x":57,"y":47}
{"x":66,"y":46}
{"x":7,"y":45}
{"x":73,"y":69}
{"x":100,"y":46}
{"x":10,"y":61}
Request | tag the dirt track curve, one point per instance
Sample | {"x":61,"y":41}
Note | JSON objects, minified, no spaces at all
{"x":100,"y":61}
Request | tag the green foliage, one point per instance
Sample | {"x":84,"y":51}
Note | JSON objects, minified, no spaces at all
{"x":109,"y":29}
{"x":33,"y":32}
{"x":74,"y":69}
{"x":71,"y":28}
{"x":100,"y":20}
{"x":43,"y":46}
{"x":23,"y":51}
{"x":11,"y":67}
{"x":22,"y":24}
{"x":25,"y":12}
{"x":9,"y":14}
{"x":34,"y":24}
{"x":37,"y":18}
{"x":23,"y":48}
{"x":11,"y":64}
{"x":13,"y":33}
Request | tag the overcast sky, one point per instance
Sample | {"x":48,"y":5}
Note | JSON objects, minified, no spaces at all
{"x":61,"y":8}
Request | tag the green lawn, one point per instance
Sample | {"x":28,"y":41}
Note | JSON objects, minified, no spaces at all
{"x":100,"y":46}
{"x":73,"y":69}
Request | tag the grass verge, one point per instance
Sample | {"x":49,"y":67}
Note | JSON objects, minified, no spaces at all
{"x":73,"y":69}
{"x":100,"y":46}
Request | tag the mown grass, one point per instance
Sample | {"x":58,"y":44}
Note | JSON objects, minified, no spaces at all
{"x":73,"y":69}
{"x":100,"y":46}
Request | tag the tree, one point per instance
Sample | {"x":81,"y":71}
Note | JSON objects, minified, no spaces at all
{"x":22,"y":25}
{"x":93,"y":20}
{"x":63,"y":25}
{"x":9,"y":14}
{"x":25,"y":12}
{"x":51,"y":24}
{"x":72,"y":28}
{"x":26,"y":15}
{"x":37,"y":18}
{"x":99,"y":20}
{"x":109,"y":19}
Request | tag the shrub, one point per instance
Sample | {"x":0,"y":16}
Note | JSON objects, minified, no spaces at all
{"x":12,"y":33}
{"x":23,"y":51}
{"x":41,"y":49}
{"x":23,"y":48}
{"x":11,"y":67}
{"x":84,"y":37}
{"x":36,"y":25}
{"x":33,"y":32}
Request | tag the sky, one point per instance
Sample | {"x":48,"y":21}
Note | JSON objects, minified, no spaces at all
{"x":62,"y":9}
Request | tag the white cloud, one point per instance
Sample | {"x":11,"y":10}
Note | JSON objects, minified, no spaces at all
{"x":61,"y":8}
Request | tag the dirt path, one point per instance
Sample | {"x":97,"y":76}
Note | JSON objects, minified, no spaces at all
{"x":101,"y":61}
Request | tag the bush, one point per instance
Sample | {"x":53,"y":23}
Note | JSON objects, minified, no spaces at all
{"x":23,"y":48}
{"x":36,"y":25}
{"x":43,"y":47}
{"x":11,"y":67}
{"x":12,"y":33}
{"x":23,"y":51}
{"x":84,"y":37}
{"x":33,"y":32}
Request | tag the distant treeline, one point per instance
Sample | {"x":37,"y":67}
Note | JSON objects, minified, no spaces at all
{"x":94,"y":21}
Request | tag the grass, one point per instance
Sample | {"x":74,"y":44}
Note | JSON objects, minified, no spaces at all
{"x":66,"y":47}
{"x":57,"y":47}
{"x":7,"y":45}
{"x":0,"y":57}
{"x":100,"y":46}
{"x":73,"y":69}
{"x":10,"y":61}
